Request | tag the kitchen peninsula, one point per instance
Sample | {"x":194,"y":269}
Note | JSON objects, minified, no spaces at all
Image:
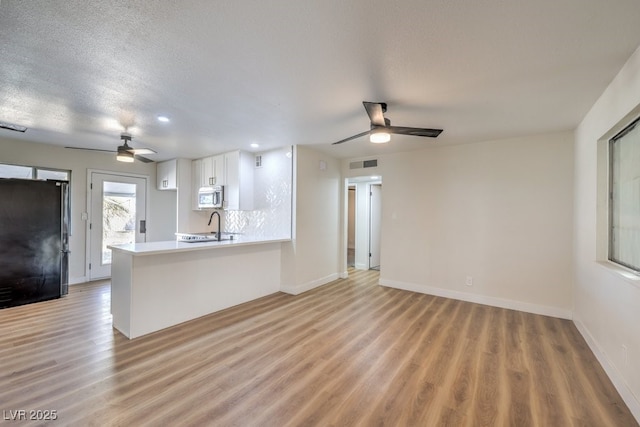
{"x":156,"y":285}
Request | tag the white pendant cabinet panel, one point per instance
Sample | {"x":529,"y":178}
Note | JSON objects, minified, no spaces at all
{"x":196,"y":182}
{"x":238,"y":181}
{"x":166,"y":175}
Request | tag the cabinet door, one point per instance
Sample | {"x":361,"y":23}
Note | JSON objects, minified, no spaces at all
{"x":219,"y":170}
{"x":232,"y":186}
{"x":196,"y":182}
{"x":208,"y":172}
{"x":166,"y":175}
{"x":239,"y":180}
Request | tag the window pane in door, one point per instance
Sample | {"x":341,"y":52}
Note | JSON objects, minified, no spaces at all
{"x":118,"y":216}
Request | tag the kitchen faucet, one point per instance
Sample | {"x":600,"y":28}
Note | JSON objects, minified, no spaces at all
{"x":219,"y":234}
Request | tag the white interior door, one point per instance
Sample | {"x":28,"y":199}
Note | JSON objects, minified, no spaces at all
{"x":117,"y":215}
{"x":375,"y":212}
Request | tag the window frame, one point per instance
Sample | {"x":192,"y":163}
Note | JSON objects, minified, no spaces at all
{"x":610,"y":231}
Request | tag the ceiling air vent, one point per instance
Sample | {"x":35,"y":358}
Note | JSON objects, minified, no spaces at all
{"x":364,"y":164}
{"x":11,"y":126}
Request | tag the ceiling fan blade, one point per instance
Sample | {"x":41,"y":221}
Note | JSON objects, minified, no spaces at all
{"x":92,"y":149}
{"x":142,"y":151}
{"x":352,"y":137}
{"x":400,"y":130}
{"x":375,"y":110}
{"x":143,"y":159}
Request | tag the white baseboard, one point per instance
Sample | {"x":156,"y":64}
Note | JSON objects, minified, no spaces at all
{"x":480,"y":299}
{"x":298,"y":289}
{"x":77,"y":280}
{"x":344,"y":275}
{"x":612,"y":372}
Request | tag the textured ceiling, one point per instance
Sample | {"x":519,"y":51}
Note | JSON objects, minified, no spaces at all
{"x":296,"y":72}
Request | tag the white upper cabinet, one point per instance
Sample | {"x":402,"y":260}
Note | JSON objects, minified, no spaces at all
{"x":167,"y":175}
{"x":218,"y":170}
{"x":238,"y":191}
{"x":234,"y":170}
{"x":211,"y":171}
{"x":196,"y":182}
{"x":208,"y":172}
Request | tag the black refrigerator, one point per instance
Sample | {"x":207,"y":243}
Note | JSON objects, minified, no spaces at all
{"x":34,"y":241}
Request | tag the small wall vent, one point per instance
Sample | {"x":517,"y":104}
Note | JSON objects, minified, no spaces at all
{"x":364,"y":164}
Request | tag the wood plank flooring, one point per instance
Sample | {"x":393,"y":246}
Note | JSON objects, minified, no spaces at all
{"x":348,"y":353}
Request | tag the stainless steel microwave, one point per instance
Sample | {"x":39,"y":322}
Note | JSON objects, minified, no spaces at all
{"x":211,"y":197}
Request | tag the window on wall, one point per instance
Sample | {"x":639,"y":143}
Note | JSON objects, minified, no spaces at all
{"x":29,"y":172}
{"x":624,"y":193}
{"x":15,"y":171}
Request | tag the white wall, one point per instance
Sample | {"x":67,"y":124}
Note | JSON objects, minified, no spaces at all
{"x":161,"y":205}
{"x":313,"y":256}
{"x":498,"y":211}
{"x":607,"y":304}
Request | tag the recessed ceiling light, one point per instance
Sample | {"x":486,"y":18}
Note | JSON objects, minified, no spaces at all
{"x":163,"y":119}
{"x":254,"y":145}
{"x":11,"y":126}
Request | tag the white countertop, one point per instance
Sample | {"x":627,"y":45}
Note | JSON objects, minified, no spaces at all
{"x":150,"y":248}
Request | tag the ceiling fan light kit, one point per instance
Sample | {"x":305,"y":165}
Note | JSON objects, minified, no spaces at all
{"x":379,"y":136}
{"x":124,"y":156}
{"x":381,"y":128}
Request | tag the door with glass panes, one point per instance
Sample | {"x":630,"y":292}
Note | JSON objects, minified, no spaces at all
{"x":118,"y":216}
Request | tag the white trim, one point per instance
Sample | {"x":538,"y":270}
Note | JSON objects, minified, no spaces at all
{"x":612,"y":372}
{"x":77,"y":280}
{"x":344,"y":275}
{"x":621,"y":272}
{"x":361,"y":266}
{"x":480,"y":299}
{"x":298,"y":289}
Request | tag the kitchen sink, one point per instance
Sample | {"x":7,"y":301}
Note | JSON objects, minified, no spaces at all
{"x":201,"y":237}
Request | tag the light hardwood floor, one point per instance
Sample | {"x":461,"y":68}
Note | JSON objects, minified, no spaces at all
{"x":348,"y":353}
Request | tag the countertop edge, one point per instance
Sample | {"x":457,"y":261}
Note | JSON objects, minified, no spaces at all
{"x":171,"y":246}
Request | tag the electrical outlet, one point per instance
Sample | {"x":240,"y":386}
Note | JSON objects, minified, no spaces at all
{"x":469,"y":281}
{"x":625,"y":357}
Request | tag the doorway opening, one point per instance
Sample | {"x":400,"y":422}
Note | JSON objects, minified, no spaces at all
{"x":364,"y":212}
{"x":117,"y":215}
